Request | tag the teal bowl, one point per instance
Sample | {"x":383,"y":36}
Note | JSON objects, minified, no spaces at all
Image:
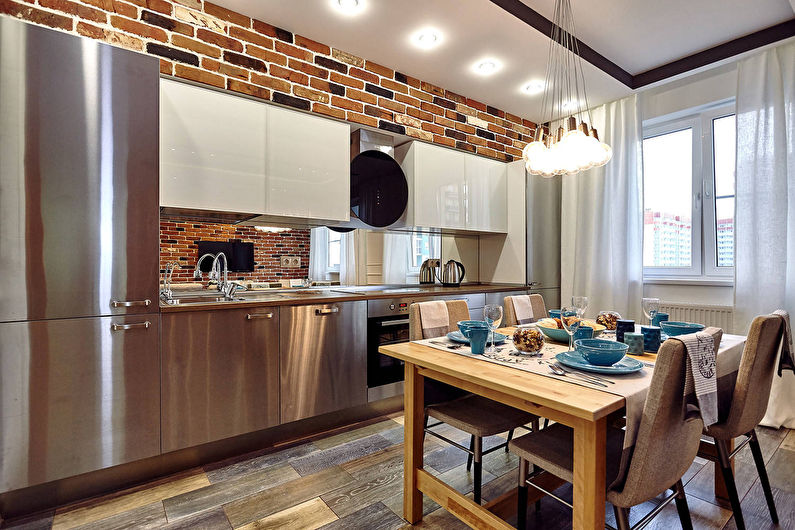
{"x":465,"y":325}
{"x":600,"y":352}
{"x":558,"y":335}
{"x":673,"y":329}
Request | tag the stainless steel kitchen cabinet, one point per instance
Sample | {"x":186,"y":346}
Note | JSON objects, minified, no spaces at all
{"x":77,"y":395}
{"x":220,"y":374}
{"x":323,"y":359}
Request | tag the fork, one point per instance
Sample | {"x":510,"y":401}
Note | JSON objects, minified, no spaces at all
{"x":446,"y":345}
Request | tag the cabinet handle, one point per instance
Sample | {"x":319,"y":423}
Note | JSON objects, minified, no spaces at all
{"x":130,"y":303}
{"x":125,"y":327}
{"x":326,"y":311}
{"x":251,"y":316}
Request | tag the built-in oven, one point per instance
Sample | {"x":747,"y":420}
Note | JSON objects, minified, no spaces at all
{"x":387,"y":323}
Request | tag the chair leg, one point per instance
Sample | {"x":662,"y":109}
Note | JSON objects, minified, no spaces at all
{"x":682,"y":507}
{"x":478,"y":466}
{"x":763,"y":480}
{"x":728,"y":478}
{"x":471,"y":448}
{"x":521,"y":507}
{"x":424,"y":428}
{"x":622,"y":518}
{"x":546,"y":422}
{"x":510,"y":436}
{"x":538,"y":502}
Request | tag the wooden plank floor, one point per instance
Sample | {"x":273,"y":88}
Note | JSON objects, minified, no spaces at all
{"x":354,"y":480}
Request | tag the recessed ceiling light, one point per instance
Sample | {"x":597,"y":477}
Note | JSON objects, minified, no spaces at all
{"x":348,"y":7}
{"x":533,"y":87}
{"x":427,"y":38}
{"x":487,"y":66}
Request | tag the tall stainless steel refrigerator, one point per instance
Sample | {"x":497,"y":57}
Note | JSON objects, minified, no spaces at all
{"x":543,"y":237}
{"x":79,"y":325}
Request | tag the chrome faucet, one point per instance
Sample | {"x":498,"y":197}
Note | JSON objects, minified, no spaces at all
{"x":197,"y":272}
{"x":215,"y":271}
{"x":165,"y":292}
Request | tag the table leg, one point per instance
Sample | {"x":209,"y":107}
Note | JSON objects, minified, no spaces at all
{"x":413,"y":425}
{"x":590,"y":440}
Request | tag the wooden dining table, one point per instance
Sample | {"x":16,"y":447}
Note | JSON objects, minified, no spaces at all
{"x":584,"y":409}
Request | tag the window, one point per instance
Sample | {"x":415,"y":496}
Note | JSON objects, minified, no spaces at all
{"x":688,"y":196}
{"x":334,"y":248}
{"x":420,"y":250}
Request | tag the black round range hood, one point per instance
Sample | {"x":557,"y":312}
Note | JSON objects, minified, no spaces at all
{"x":379,"y":192}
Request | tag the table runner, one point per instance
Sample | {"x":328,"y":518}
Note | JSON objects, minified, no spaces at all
{"x":632,"y":387}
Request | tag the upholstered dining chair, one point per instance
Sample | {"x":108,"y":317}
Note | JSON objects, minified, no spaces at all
{"x":536,"y":302}
{"x":665,"y":447}
{"x":475,"y":415}
{"x":746,"y":409}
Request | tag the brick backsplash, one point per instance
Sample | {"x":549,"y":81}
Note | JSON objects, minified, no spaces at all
{"x":178,"y":242}
{"x":209,"y":44}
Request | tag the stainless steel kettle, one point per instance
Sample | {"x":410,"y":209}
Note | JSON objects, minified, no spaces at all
{"x":428,"y":271}
{"x":453,"y":273}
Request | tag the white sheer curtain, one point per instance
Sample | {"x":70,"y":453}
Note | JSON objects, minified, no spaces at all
{"x":765,"y":203}
{"x":318,"y":254}
{"x":348,"y":241}
{"x":396,"y":257}
{"x":602,"y":218}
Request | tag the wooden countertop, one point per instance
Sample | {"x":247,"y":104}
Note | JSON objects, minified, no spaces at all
{"x":335,"y":294}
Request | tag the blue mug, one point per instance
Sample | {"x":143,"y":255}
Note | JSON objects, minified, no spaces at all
{"x":622,"y":326}
{"x":477,"y":339}
{"x":634,"y":341}
{"x":651,"y":338}
{"x":659,"y":317}
{"x":583,"y":332}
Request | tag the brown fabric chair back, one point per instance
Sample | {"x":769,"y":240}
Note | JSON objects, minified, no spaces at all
{"x":754,"y":378}
{"x":436,"y":391}
{"x":457,"y":310}
{"x":536,"y":301}
{"x":667,"y":443}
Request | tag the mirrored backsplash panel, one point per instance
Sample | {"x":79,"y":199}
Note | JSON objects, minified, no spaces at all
{"x":179,"y":242}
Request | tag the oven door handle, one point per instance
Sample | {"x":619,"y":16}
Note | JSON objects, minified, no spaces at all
{"x":394,"y":322}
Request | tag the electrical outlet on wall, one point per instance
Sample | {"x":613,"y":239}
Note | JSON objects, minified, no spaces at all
{"x":290,"y":262}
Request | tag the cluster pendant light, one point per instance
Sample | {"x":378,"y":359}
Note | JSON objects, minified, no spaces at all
{"x":566,"y":144}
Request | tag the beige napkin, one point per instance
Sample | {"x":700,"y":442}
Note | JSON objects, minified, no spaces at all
{"x":523,"y":309}
{"x":434,"y":319}
{"x":786,"y":361}
{"x":701,"y":376}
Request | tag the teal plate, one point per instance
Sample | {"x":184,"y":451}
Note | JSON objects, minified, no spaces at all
{"x":457,"y":336}
{"x":627,"y":365}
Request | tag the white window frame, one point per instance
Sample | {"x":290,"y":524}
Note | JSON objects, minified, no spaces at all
{"x":704,"y":242}
{"x":669,"y":127}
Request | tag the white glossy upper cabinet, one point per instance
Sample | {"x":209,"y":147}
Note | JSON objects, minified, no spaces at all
{"x":308,"y":166}
{"x":486,"y":194}
{"x":438,"y":191}
{"x":212,"y":149}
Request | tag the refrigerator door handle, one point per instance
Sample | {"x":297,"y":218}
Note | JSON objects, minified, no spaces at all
{"x":125,"y":327}
{"x":130,"y":303}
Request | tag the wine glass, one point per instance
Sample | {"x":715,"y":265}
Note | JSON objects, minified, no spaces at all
{"x":492,"y":315}
{"x":581,"y":303}
{"x":570,"y":318}
{"x":651,"y":306}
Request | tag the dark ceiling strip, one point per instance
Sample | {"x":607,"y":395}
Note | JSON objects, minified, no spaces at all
{"x":534,"y":19}
{"x":734,"y":47}
{"x":717,"y":53}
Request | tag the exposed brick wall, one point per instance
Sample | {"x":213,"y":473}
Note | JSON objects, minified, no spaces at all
{"x":178,"y":243}
{"x":203,"y":42}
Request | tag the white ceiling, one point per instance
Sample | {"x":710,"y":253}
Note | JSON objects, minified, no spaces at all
{"x":639,"y":35}
{"x":635,"y":34}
